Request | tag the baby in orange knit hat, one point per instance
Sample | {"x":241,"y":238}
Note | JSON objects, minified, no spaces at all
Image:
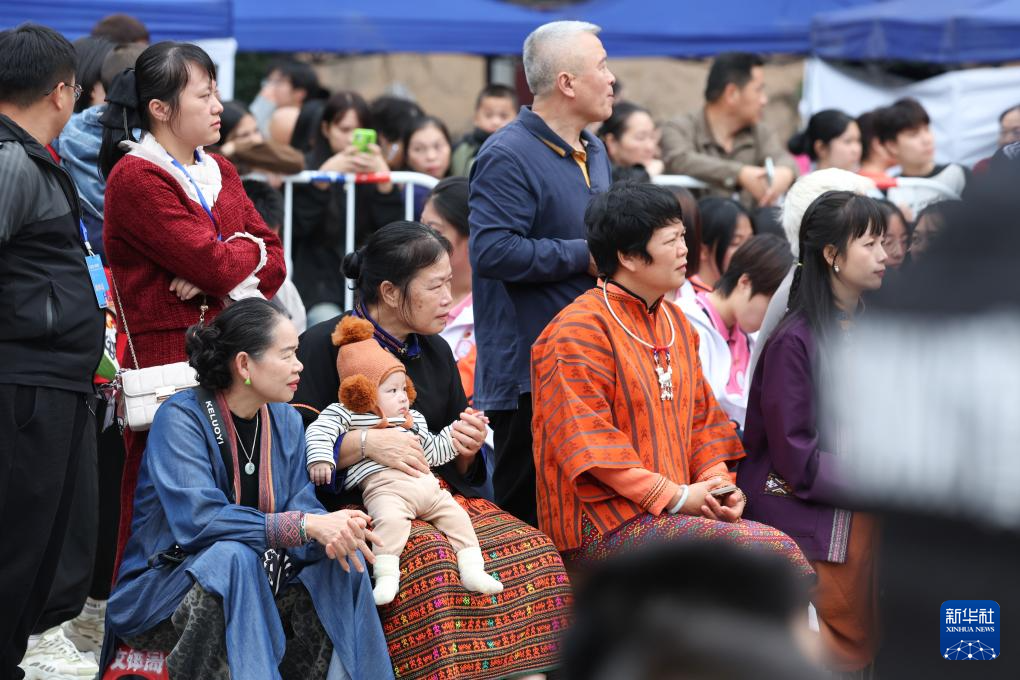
{"x":376,"y":392}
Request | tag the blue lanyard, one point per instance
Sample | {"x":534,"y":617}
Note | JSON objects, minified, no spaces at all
{"x":201,"y":198}
{"x":85,"y":236}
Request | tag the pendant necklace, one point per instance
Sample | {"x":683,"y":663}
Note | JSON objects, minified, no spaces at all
{"x":664,"y":375}
{"x":249,"y":468}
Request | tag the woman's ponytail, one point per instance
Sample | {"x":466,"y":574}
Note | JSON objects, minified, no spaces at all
{"x":800,"y":144}
{"x":119,"y":119}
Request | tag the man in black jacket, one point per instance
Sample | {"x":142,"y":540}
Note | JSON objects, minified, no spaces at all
{"x":51,"y":328}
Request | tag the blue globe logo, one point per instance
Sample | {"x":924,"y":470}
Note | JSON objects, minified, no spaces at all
{"x":969,"y":650}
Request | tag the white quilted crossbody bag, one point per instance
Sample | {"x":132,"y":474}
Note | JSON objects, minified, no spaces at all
{"x":144,"y":389}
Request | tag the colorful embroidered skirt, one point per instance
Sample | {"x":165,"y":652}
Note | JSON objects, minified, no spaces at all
{"x":437,"y":630}
{"x":646,"y":528}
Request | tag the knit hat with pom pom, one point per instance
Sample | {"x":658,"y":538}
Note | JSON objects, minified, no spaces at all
{"x":361,"y":355}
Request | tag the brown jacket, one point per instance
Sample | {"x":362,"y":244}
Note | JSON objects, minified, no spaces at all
{"x":268,"y":156}
{"x":688,"y":148}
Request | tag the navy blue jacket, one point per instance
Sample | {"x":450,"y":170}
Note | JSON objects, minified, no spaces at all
{"x":528,"y":197}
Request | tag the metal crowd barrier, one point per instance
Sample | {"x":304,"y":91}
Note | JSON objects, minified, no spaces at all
{"x":350,"y":181}
{"x":412,"y":179}
{"x":944,"y":192}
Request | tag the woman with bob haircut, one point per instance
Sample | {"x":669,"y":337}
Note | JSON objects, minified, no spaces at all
{"x":631,"y":446}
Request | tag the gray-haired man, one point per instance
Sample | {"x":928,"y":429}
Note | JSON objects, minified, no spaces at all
{"x":530,"y":186}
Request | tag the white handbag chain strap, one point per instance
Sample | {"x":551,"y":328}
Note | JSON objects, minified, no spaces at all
{"x":123,"y":317}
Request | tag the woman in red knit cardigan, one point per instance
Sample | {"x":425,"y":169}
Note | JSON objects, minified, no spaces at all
{"x":180,"y":232}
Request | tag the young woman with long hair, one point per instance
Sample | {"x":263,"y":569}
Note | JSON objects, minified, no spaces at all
{"x":793,"y":444}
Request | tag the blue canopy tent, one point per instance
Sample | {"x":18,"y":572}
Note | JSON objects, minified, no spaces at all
{"x":165,"y":19}
{"x":492,"y":27}
{"x":695,"y":29}
{"x":934,"y":31}
{"x":469,"y":26}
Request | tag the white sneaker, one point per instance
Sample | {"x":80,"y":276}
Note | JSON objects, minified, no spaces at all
{"x":85,"y":631}
{"x":51,"y":656}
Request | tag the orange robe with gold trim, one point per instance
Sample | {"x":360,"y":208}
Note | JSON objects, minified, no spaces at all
{"x":606,"y":445}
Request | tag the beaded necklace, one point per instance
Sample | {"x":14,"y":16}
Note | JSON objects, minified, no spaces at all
{"x":664,"y":375}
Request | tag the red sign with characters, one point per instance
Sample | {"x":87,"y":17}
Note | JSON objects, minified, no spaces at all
{"x":137,"y":664}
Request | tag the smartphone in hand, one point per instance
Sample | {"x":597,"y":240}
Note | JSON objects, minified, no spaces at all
{"x":721,"y":492}
{"x":361,"y":138}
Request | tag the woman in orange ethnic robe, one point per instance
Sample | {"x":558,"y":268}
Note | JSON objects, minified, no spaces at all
{"x":629,"y":441}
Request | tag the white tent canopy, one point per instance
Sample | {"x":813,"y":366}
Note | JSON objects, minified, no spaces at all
{"x":964,"y":105}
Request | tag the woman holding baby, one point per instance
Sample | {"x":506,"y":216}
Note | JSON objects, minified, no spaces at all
{"x":435,"y":626}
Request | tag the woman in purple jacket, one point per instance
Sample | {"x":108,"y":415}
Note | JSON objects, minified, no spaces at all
{"x":792,"y":445}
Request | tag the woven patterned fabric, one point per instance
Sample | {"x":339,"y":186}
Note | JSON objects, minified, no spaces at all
{"x":646,"y":529}
{"x":283,"y":529}
{"x":605,"y":438}
{"x":437,"y":630}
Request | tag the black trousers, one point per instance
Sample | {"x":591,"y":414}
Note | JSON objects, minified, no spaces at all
{"x":111,"y":455}
{"x":513,"y":477}
{"x":42,"y":434}
{"x":73,"y":581}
